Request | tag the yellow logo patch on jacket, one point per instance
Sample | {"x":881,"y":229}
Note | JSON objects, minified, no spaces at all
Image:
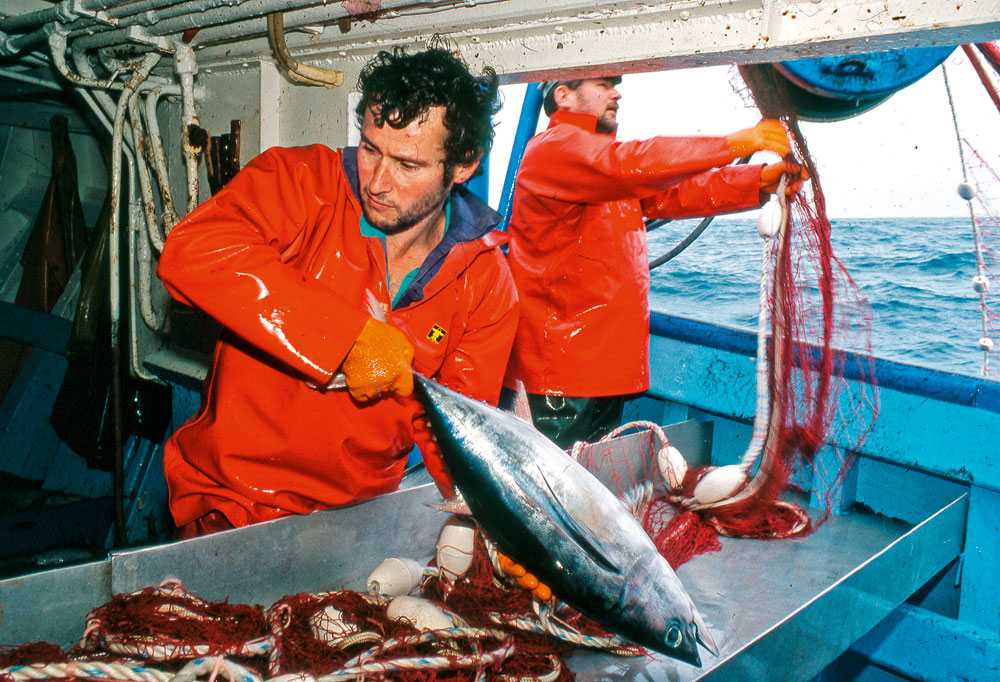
{"x":436,"y":334}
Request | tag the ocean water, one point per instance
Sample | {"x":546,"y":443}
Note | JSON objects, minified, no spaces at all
{"x":916,"y":273}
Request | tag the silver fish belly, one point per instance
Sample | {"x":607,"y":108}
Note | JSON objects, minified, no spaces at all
{"x":547,"y":512}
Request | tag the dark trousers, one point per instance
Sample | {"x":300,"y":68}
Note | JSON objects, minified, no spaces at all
{"x":566,"y":420}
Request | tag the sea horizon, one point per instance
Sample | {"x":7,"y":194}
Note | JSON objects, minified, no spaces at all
{"x":915,"y":272}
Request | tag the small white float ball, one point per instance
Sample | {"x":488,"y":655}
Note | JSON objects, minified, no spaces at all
{"x":980,"y":283}
{"x":420,"y":613}
{"x":719,"y":484}
{"x":328,"y":625}
{"x":673,"y":466}
{"x":985,"y":344}
{"x":966,"y":190}
{"x":455,"y":547}
{"x":394,"y":577}
{"x":770,"y":219}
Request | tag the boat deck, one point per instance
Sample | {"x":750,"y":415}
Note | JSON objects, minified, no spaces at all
{"x":781,"y":609}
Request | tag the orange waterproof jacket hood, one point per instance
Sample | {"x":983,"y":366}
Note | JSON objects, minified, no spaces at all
{"x":278,"y":259}
{"x":578,"y":247}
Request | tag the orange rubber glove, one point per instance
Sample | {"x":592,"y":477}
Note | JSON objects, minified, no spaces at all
{"x":524,"y":579}
{"x":768,"y":135}
{"x":378,"y":362}
{"x":770,"y":177}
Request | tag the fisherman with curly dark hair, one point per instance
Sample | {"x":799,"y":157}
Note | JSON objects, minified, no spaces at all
{"x":398,"y":88}
{"x":342,"y":268}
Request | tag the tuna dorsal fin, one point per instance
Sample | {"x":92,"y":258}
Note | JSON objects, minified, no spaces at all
{"x":579,"y":533}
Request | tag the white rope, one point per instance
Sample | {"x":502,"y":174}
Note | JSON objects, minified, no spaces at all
{"x":548,"y":623}
{"x":154,"y":649}
{"x":366,"y":664}
{"x":213,"y":666}
{"x":577,"y":450}
{"x":84,"y":669}
{"x":763,"y":411}
{"x":613,"y":644}
{"x":977,"y":239}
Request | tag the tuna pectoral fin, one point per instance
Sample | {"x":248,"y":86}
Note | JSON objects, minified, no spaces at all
{"x":703,"y":635}
{"x":453,"y":505}
{"x":578,"y":533}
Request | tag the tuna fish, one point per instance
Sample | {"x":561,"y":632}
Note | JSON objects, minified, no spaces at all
{"x":548,"y":513}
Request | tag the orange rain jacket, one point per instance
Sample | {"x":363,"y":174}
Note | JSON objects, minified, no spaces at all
{"x":277,"y":257}
{"x":578,"y":247}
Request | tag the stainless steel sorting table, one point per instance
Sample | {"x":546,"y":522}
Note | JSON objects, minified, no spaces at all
{"x":779,"y":610}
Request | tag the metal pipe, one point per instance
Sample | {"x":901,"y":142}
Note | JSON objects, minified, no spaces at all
{"x":131,"y":14}
{"x":101,"y":103}
{"x":135,"y":35}
{"x":107,"y":121}
{"x":143,"y":255}
{"x":296,"y":17}
{"x":227,"y":14}
{"x":170,"y":217}
{"x":153,"y":15}
{"x":115,"y":295}
{"x":246,"y":18}
{"x":186,"y":67}
{"x":81,"y":23}
{"x":526,"y":124}
{"x":63,"y":12}
{"x":12,"y":46}
{"x":298,"y":72}
{"x":58,"y":47}
{"x":25,"y":78}
{"x":145,"y":185}
{"x":150,"y":7}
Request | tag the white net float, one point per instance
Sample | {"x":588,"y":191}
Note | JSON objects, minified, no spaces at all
{"x":394,"y":577}
{"x":719,"y":484}
{"x":455,"y":547}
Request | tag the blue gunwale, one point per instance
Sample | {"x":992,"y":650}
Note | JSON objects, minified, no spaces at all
{"x":921,"y":381}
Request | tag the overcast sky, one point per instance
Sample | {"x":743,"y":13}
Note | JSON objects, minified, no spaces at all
{"x":899,"y":159}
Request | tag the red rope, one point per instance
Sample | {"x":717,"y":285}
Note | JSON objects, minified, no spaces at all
{"x":983,"y":76}
{"x":992,"y":54}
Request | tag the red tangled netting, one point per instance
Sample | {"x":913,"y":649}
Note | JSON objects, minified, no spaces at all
{"x":166,"y":630}
{"x":821,"y":401}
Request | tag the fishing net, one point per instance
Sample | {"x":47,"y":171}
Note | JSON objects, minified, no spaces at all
{"x":985,"y":184}
{"x":167,"y":623}
{"x":818,"y":417}
{"x":475,"y":622}
{"x":31,"y":652}
{"x":816,"y":402}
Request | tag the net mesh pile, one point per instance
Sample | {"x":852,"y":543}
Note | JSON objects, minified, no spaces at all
{"x":165,"y":633}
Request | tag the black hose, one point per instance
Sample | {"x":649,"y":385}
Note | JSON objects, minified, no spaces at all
{"x":688,"y":240}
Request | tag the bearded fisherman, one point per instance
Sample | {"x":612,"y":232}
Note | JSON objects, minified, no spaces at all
{"x":578,"y":246}
{"x":300,"y":258}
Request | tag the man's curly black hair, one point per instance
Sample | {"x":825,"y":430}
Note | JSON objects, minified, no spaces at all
{"x":401,"y":87}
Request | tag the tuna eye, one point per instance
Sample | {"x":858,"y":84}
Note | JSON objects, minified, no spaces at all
{"x":673,"y":637}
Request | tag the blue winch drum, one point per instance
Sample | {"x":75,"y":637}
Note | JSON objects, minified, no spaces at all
{"x":863,"y":76}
